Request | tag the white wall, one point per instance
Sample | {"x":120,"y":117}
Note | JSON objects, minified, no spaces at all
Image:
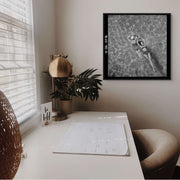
{"x":44,"y":27}
{"x":79,"y":32}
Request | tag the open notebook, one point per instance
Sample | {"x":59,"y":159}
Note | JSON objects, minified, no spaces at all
{"x":100,"y":138}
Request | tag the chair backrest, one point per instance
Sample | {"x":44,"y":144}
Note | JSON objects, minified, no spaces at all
{"x":10,"y":140}
{"x":158,"y":152}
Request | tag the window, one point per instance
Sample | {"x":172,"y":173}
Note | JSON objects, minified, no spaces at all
{"x":17,"y":60}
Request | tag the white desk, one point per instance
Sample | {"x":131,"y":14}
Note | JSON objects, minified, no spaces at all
{"x":42,"y":163}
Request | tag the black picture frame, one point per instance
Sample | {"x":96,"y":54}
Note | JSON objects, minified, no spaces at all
{"x":111,"y":64}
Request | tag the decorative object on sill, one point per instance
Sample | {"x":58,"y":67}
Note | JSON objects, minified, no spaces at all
{"x":85,"y":85}
{"x":46,"y":113}
{"x":60,"y":66}
{"x":10,"y":140}
{"x":137,"y":46}
{"x":64,"y":85}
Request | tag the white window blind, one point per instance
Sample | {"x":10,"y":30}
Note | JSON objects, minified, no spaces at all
{"x":17,"y":62}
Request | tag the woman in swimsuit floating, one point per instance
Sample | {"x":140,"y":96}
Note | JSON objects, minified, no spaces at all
{"x":142,"y":51}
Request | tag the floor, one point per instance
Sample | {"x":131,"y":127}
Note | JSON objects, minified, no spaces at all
{"x":177,"y":170}
{"x":177,"y":173}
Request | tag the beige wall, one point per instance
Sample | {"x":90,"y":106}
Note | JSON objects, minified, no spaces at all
{"x":79,"y":32}
{"x":44,"y":33}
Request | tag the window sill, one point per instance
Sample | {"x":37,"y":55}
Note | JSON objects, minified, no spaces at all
{"x":30,"y":124}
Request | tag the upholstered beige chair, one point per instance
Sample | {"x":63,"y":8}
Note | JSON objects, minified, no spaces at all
{"x":158,"y":152}
{"x":10,"y":140}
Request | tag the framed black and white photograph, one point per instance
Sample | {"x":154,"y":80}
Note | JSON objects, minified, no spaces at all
{"x":136,"y":46}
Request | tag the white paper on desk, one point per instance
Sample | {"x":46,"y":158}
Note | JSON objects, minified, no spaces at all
{"x":101,"y":138}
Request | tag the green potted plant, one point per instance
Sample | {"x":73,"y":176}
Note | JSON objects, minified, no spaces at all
{"x":85,"y":85}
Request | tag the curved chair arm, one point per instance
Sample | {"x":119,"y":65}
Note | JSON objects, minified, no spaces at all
{"x":160,"y":151}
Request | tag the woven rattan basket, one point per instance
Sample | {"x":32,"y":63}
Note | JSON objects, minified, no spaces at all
{"x":10,"y":140}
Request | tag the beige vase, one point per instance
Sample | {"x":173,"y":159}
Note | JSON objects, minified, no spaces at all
{"x":65,"y":106}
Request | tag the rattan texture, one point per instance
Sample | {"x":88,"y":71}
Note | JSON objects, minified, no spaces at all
{"x":10,"y":140}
